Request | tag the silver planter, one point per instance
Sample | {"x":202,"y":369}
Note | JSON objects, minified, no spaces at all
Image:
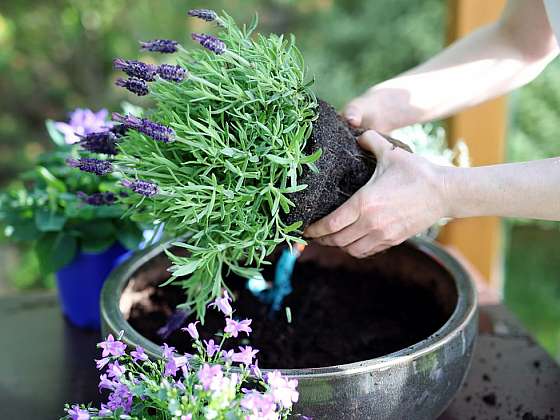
{"x":417,"y":382}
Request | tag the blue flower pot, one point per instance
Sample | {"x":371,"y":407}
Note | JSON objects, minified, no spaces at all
{"x":80,"y":282}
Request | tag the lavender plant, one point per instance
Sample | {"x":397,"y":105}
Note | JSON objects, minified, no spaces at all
{"x":211,"y":383}
{"x":220,"y":151}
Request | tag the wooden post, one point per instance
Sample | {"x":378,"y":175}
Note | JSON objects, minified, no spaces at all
{"x":483,"y":128}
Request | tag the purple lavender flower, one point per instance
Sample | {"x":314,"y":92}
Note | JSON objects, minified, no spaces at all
{"x":115,"y":370}
{"x":167,"y":351}
{"x":171,"y":72}
{"x":77,"y":413}
{"x":136,"y":69}
{"x":119,"y":130}
{"x":166,"y":46}
{"x":121,"y":397}
{"x":83,"y":122}
{"x":145,"y":188}
{"x":210,"y":42}
{"x":211,"y":347}
{"x":98,"y":199}
{"x":191,"y":329}
{"x":246,"y":355}
{"x":223,"y":304}
{"x":100,"y":142}
{"x":234,"y":327}
{"x":158,"y":132}
{"x":112,"y":347}
{"x":139,"y":354}
{"x":134,"y":85}
{"x":94,"y":166}
{"x":204,"y":14}
{"x":207,"y":374}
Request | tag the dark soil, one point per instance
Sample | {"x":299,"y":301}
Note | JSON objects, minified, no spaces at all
{"x":338,"y":316}
{"x":343,"y":168}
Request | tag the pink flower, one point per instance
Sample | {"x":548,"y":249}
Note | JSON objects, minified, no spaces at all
{"x":223,"y":304}
{"x":234,"y":327}
{"x":245,"y":355}
{"x":211,"y":347}
{"x":112,"y":347}
{"x":191,"y":329}
{"x":283,"y":390}
{"x":207,"y":374}
{"x":260,"y":405}
{"x":83,"y":122}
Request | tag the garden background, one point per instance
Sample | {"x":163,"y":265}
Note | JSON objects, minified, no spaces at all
{"x":56,"y":55}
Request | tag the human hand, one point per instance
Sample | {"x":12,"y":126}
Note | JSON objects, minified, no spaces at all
{"x":405,"y":196}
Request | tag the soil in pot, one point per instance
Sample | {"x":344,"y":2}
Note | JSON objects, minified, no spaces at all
{"x":343,"y":168}
{"x":338,"y":316}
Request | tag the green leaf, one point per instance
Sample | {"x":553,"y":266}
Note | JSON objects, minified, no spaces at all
{"x":97,"y":245}
{"x":52,"y":181}
{"x":129,"y":234}
{"x":55,"y":250}
{"x":277,"y":159}
{"x":47,"y":220}
{"x":56,"y":136}
{"x":24,"y":230}
{"x":184,"y":269}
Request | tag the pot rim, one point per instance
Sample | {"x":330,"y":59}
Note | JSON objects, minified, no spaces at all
{"x":463,"y":314}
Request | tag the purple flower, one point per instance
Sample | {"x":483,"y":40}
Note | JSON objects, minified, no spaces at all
{"x":210,"y":42}
{"x":112,"y":347}
{"x":223,"y":304}
{"x":83,"y":122}
{"x":167,"y":351}
{"x":260,"y":405}
{"x":172,"y":73}
{"x":100,"y":364}
{"x":174,"y":364}
{"x":245,"y":355}
{"x":98,"y":199}
{"x":100,"y":142}
{"x":211,"y":347}
{"x":191,"y":329}
{"x":154,"y":130}
{"x":234,"y":327}
{"x":105,"y":412}
{"x":204,"y":14}
{"x":94,"y":166}
{"x":105,"y":383}
{"x":139,"y":354}
{"x":165,"y":46}
{"x":121,"y":397}
{"x":283,"y":390}
{"x":207,"y":374}
{"x":145,"y":188}
{"x":115,"y":370}
{"x":136,"y":69}
{"x":134,"y":85}
{"x":77,"y":413}
{"x":227,"y":355}
{"x":255,"y":370}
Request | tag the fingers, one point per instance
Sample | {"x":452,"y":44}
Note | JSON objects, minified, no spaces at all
{"x":346,"y":236}
{"x":374,"y":143}
{"x":342,"y":217}
{"x":353,"y":113}
{"x":366,"y":246}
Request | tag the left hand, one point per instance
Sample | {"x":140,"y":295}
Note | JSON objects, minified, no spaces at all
{"x":405,"y":196}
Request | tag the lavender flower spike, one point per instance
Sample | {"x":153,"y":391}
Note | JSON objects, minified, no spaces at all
{"x":139,"y":186}
{"x":101,"y":142}
{"x":210,"y":42}
{"x":165,"y":46}
{"x":156,"y":131}
{"x":94,"y":166}
{"x":98,"y":199}
{"x":204,"y":14}
{"x":136,"y":69}
{"x":171,"y":72}
{"x":134,"y":85}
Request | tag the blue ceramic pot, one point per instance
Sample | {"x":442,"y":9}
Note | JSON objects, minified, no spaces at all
{"x":80,"y":282}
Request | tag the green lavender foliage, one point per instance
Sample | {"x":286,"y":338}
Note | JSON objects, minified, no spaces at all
{"x":241,"y":119}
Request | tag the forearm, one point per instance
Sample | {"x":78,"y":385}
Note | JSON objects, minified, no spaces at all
{"x":485,"y":64}
{"x":527,"y":190}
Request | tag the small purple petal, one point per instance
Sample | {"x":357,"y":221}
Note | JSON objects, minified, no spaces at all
{"x":210,"y":42}
{"x":165,"y":46}
{"x":94,"y":166}
{"x":145,"y":188}
{"x":172,"y":73}
{"x":136,"y":69}
{"x":134,"y":85}
{"x":204,"y":14}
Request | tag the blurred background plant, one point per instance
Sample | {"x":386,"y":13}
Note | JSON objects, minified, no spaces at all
{"x":56,"y":55}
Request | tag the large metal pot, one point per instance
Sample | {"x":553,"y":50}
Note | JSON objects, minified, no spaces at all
{"x":417,"y":382}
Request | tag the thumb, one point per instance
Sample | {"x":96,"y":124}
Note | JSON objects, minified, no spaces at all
{"x":354,"y":113}
{"x":374,"y":143}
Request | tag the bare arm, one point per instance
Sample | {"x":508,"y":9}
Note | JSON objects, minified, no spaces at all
{"x":487,"y":63}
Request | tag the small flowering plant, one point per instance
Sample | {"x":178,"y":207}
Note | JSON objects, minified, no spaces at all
{"x":211,"y":383}
{"x":62,"y":211}
{"x":219,"y":153}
